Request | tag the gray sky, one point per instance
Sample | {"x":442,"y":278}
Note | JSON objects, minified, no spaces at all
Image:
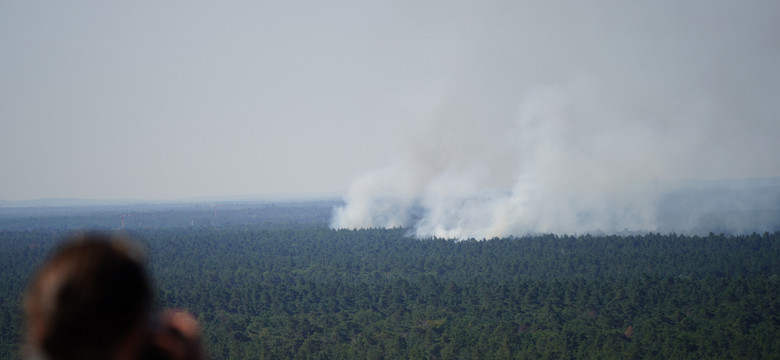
{"x":166,"y":100}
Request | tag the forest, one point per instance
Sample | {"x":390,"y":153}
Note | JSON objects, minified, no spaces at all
{"x":275,"y":282}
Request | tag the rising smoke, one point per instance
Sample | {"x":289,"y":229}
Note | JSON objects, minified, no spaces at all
{"x":574,"y":120}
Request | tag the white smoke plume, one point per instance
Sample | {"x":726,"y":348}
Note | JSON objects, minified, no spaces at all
{"x":561,"y":179}
{"x":573,"y":120}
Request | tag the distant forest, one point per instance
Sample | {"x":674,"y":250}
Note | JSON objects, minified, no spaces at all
{"x":274,"y":282}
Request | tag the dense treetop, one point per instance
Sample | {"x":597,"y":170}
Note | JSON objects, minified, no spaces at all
{"x":293,"y":288}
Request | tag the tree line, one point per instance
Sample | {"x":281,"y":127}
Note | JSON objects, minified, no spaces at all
{"x":310,"y":292}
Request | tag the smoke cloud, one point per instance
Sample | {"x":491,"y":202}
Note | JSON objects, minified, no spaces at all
{"x":570,"y":119}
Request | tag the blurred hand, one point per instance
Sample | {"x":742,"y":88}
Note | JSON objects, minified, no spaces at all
{"x":179,"y":335}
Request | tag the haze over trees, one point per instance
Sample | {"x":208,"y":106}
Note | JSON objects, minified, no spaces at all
{"x":619,"y":160}
{"x":275,"y":282}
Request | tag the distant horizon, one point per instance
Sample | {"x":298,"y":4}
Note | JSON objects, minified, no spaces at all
{"x":76,"y":201}
{"x":65,"y":201}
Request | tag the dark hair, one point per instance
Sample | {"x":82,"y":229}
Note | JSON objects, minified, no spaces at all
{"x":89,"y":296}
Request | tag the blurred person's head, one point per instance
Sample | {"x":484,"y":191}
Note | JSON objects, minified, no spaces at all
{"x":90,"y":300}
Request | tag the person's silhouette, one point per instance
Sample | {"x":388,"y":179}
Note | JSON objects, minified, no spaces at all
{"x":93,"y":300}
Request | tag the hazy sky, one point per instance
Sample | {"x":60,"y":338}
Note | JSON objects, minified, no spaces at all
{"x":174,"y":99}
